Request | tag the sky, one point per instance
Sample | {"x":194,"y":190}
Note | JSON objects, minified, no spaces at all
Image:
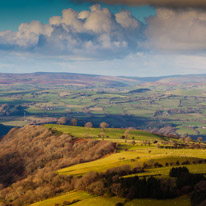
{"x":106,"y":37}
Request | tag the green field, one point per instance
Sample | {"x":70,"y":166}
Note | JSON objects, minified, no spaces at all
{"x":136,"y":154}
{"x":126,"y":158}
{"x":87,"y":200}
{"x":111,"y":133}
{"x":180,"y":106}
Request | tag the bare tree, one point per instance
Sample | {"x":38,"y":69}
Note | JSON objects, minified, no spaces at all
{"x":182,"y":139}
{"x":88,"y":125}
{"x":103,"y":125}
{"x":199,"y":139}
{"x":188,"y":139}
{"x":171,"y":141}
{"x":102,"y":134}
{"x":73,"y":122}
{"x":126,"y":133}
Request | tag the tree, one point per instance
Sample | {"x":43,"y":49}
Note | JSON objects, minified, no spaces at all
{"x":133,"y":142}
{"x":126,"y":133}
{"x":182,"y":139}
{"x":62,"y":120}
{"x":199,"y":139}
{"x":102,"y":134}
{"x":188,"y":139}
{"x":73,"y":122}
{"x":103,"y":125}
{"x":178,"y":171}
{"x":171,"y":141}
{"x":88,"y":125}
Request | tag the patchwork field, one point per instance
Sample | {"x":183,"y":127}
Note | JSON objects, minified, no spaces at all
{"x":122,"y":102}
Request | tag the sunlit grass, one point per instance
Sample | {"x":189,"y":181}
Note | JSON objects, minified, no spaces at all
{"x":86,"y":199}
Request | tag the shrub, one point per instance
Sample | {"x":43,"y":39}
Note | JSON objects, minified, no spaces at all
{"x":179,"y":171}
{"x":119,"y":204}
{"x":187,"y":162}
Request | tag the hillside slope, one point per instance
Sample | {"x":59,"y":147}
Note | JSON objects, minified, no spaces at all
{"x":25,"y":150}
{"x":67,"y":79}
{"x":30,"y":155}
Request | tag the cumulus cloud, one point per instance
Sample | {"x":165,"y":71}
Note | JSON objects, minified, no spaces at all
{"x":156,"y":3}
{"x":99,"y":34}
{"x":177,"y":30}
{"x":126,"y":20}
{"x":96,"y":33}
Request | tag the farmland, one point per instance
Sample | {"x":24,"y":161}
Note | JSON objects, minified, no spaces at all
{"x":133,"y":155}
{"x":89,"y":200}
{"x":121,"y":102}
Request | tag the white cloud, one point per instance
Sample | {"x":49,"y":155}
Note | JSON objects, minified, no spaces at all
{"x":126,"y":20}
{"x":178,"y":30}
{"x":99,"y":34}
{"x":99,"y":20}
{"x":96,"y":33}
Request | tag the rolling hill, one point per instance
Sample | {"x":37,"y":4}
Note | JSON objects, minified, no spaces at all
{"x":70,"y":165}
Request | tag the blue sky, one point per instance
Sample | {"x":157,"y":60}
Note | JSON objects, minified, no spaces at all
{"x":13,"y":12}
{"x":115,"y":39}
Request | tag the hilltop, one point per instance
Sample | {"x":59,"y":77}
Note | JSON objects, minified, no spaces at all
{"x":66,"y":79}
{"x":89,"y":80}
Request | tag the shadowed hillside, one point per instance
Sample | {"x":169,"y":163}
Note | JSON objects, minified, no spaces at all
{"x":25,"y":150}
{"x":4,"y":130}
{"x":29,"y":157}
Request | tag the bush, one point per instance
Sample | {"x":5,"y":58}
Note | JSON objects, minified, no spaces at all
{"x":188,"y":179}
{"x":186,"y":162}
{"x":179,"y":171}
{"x":119,"y":204}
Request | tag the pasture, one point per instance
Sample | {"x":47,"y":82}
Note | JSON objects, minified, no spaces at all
{"x":85,"y":199}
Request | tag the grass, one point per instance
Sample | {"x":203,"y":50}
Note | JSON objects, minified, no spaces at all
{"x":138,"y":157}
{"x":164,"y":171}
{"x":70,"y":196}
{"x":100,"y":165}
{"x":86,"y":199}
{"x":136,"y":154}
{"x":113,"y":101}
{"x":111,"y":132}
{"x":180,"y":201}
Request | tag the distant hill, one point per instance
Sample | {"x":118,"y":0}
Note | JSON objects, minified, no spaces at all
{"x":67,"y":79}
{"x":190,"y":78}
{"x":88,"y":80}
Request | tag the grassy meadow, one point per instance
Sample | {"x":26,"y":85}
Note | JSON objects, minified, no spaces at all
{"x":85,"y":199}
{"x":135,"y":155}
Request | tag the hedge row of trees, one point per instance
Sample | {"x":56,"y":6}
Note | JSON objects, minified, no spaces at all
{"x":73,"y":122}
{"x":45,"y":183}
{"x":112,"y":183}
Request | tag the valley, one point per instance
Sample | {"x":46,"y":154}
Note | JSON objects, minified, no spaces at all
{"x":173,"y":105}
